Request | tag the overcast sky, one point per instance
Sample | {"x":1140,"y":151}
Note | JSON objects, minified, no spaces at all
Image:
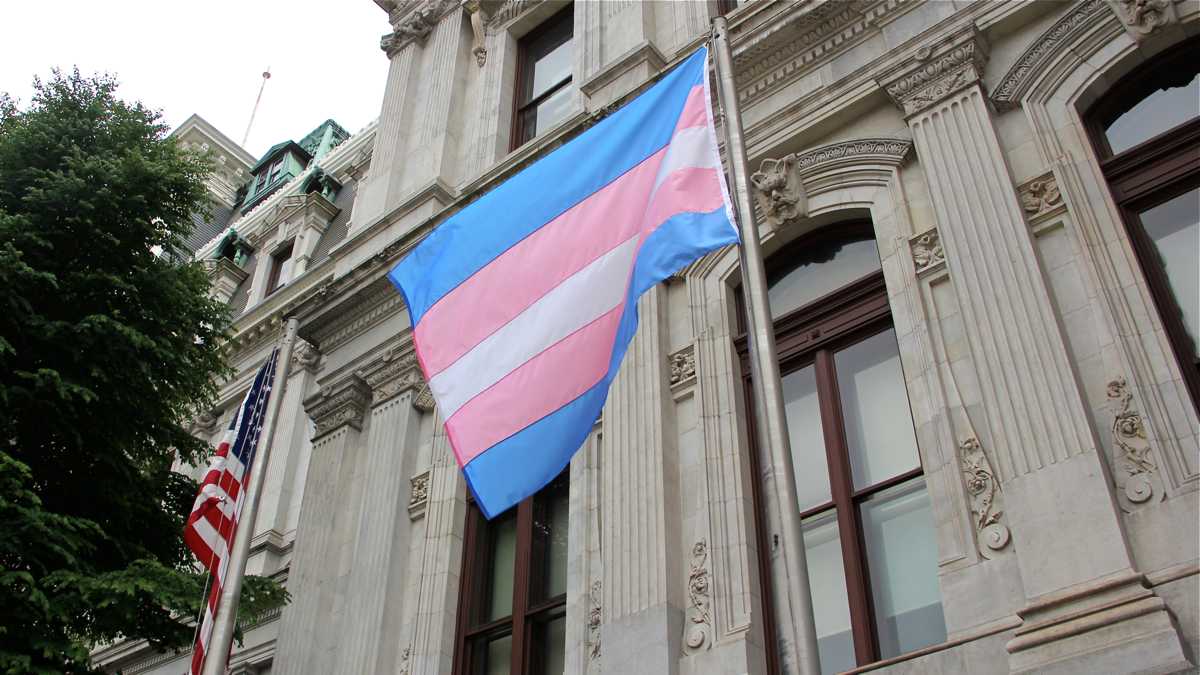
{"x":184,"y":57}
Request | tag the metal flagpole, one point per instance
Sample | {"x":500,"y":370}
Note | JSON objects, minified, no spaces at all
{"x":216,"y":656}
{"x":792,"y":596}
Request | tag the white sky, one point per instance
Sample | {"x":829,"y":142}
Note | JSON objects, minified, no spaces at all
{"x":207,"y":57}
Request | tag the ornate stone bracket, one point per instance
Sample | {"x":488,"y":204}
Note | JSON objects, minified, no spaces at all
{"x":1031,"y":64}
{"x":1041,"y":198}
{"x":928,"y":255}
{"x":1142,"y":17}
{"x":343,"y":404}
{"x":1135,"y":473}
{"x":937,"y":70}
{"x":412,"y":23}
{"x":305,"y":356}
{"x":983,"y":490}
{"x":697,"y":629}
{"x":423,"y":401}
{"x":594,"y":619}
{"x":683,"y":365}
{"x":478,"y":49}
{"x":779,"y":191}
{"x":418,"y":499}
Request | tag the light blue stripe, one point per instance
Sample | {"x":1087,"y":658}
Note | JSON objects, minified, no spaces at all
{"x":521,"y":464}
{"x":518,"y":207}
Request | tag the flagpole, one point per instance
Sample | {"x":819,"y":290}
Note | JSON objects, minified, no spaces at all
{"x":216,"y":656}
{"x":792,"y":594}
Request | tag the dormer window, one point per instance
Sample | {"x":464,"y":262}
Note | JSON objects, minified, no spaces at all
{"x":276,"y":169}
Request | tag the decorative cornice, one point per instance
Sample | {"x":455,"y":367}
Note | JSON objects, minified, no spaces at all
{"x":928,"y":255}
{"x":1041,"y":198}
{"x":339,"y":405}
{"x":1032,"y":62}
{"x":360,"y":312}
{"x":412,"y":22}
{"x":936,"y":70}
{"x":1142,"y":17}
{"x":888,"y":151}
{"x":396,"y":373}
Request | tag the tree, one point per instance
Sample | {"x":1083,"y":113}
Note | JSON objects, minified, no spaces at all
{"x":109,"y":344}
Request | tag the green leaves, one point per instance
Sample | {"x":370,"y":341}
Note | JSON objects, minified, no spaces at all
{"x":106,"y":349}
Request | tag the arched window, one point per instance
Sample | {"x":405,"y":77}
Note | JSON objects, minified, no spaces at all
{"x":867,"y":519}
{"x":1146,"y":131}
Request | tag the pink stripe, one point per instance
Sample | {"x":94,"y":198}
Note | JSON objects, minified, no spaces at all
{"x":685,"y":191}
{"x":512,"y":282}
{"x":542,"y":384}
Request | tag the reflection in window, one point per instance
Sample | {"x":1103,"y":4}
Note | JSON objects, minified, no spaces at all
{"x":1162,"y":110}
{"x":820,"y":269}
{"x":544,"y":89}
{"x":1174,"y":228}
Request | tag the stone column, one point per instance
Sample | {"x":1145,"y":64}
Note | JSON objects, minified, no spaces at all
{"x":338,"y":413}
{"x":370,"y":636}
{"x":644,"y":574}
{"x":1086,"y":605}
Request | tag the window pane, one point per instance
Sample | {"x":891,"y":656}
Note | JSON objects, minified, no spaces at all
{"x":551,"y":69}
{"x":552,"y":111}
{"x":827,"y":585}
{"x":821,"y":269}
{"x":501,"y":574}
{"x":550,"y":532}
{"x":1174,"y":227}
{"x":494,"y":657}
{"x":552,"y":644}
{"x":902,"y":559}
{"x":879,"y":430}
{"x":1162,"y":110}
{"x":808,"y":440}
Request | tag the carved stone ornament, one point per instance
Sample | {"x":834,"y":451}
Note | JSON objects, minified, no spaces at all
{"x":305,"y":356}
{"x":1040,"y":196}
{"x":478,"y":50}
{"x":1034,"y":60}
{"x":936,"y":71}
{"x":683,"y":365}
{"x":927,"y":251}
{"x":423,"y":401}
{"x":1143,"y":17}
{"x":697,"y":629}
{"x":1135,"y":470}
{"x":396,"y":373}
{"x":340,"y":405}
{"x":984,"y":493}
{"x":594,"y":618}
{"x":405,"y":655}
{"x":418,"y":499}
{"x":413,"y":23}
{"x":205,"y":422}
{"x":779,"y":191}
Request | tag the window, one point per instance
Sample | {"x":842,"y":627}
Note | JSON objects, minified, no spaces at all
{"x":1147,"y":134}
{"x":512,"y":608}
{"x":276,"y":169}
{"x":544,"y":90}
{"x":866,"y":515}
{"x":281,"y":268}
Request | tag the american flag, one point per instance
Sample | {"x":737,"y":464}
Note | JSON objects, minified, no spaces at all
{"x":213,"y":522}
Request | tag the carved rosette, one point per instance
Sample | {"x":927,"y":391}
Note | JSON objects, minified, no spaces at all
{"x":418,"y":497}
{"x":936,"y":71}
{"x":594,"y":619}
{"x":983,"y":490}
{"x":337,"y":406}
{"x":1040,"y":197}
{"x":1143,"y":17}
{"x":779,"y":191}
{"x":927,"y":252}
{"x":697,"y":629}
{"x":683,"y":365}
{"x":1135,"y":473}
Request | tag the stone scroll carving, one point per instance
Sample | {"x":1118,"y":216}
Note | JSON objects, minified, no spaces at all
{"x":983,"y":490}
{"x":1143,"y":17}
{"x":1135,"y":470}
{"x":779,"y":191}
{"x":697,"y":630}
{"x":594,"y":619}
{"x":927,"y":252}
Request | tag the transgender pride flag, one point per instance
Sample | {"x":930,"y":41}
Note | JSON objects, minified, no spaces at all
{"x":524,"y":302}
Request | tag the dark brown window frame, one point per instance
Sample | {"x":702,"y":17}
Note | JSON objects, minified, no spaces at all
{"x":812,"y":334}
{"x":527,"y":612}
{"x":1150,"y":173}
{"x":561,"y":23}
{"x":281,"y":255}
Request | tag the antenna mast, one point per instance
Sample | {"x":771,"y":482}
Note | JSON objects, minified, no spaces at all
{"x":266,"y":76}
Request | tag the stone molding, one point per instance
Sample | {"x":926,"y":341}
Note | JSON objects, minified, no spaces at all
{"x":412,"y":22}
{"x":697,"y":630}
{"x":339,"y":405}
{"x":418,"y":499}
{"x":927,"y":252}
{"x":985,"y":494}
{"x":682,"y":365}
{"x":359,"y":313}
{"x":936,"y":71}
{"x":1041,"y":198}
{"x":1037,"y":57}
{"x":1141,"y":18}
{"x":510,"y":10}
{"x":224,"y":276}
{"x":1135,"y":474}
{"x":397,"y":372}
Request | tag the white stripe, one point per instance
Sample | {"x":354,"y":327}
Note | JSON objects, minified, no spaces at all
{"x":690,"y":148}
{"x":577,"y":301}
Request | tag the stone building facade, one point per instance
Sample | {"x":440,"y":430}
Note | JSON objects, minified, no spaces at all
{"x":978,"y":217}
